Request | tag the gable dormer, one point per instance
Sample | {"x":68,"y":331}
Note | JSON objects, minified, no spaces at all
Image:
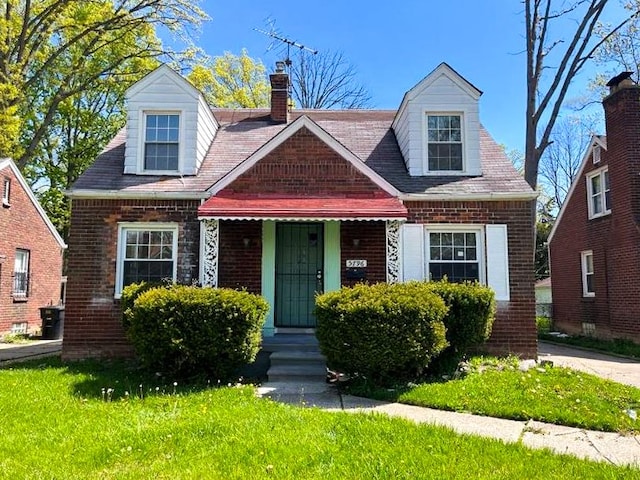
{"x":169,"y":125}
{"x":438,"y":126}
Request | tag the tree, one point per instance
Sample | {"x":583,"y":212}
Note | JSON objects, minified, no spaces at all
{"x":545,"y":97}
{"x":48,"y":52}
{"x":544,"y":224}
{"x":232,"y":81}
{"x":326,"y":80}
{"x":561,"y":160}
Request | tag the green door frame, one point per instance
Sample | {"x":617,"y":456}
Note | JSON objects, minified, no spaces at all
{"x":331,"y":265}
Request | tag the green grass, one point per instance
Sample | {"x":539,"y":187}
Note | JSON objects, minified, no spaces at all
{"x":58,"y":423}
{"x":618,"y":346}
{"x":548,"y":394}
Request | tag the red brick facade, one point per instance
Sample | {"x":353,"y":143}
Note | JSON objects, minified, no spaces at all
{"x":93,"y":326}
{"x":305,"y":166}
{"x":514,"y":328}
{"x":24,"y":228}
{"x":614,"y":239}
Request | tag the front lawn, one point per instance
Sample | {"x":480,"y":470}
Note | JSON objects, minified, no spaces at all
{"x":92,"y":420}
{"x":497,"y":388}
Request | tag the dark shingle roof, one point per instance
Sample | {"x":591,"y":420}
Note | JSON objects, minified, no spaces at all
{"x":366,"y":133}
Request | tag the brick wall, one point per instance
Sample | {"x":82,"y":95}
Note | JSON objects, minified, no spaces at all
{"x":371,"y":247}
{"x":92,"y":319}
{"x":22,"y":227}
{"x":239,"y":264}
{"x":305,"y":166}
{"x":514,"y":329}
{"x":614,"y":239}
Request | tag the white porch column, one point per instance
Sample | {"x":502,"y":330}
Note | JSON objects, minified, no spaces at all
{"x":393,"y":251}
{"x":210,"y":253}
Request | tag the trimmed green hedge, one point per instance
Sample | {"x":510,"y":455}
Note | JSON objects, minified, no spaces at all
{"x":383,"y":332}
{"x":469,"y":320}
{"x":186,"y":330}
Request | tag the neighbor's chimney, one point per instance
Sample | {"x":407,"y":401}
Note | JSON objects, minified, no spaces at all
{"x":279,"y":94}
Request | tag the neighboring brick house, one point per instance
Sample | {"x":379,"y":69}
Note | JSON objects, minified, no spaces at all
{"x":288,"y":203}
{"x":30,"y":255}
{"x":595,"y":243}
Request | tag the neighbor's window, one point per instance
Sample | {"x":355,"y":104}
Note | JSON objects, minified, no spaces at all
{"x":146,"y":253}
{"x":453,"y":254}
{"x":599,"y":194}
{"x":161,"y":141}
{"x":444,"y":142}
{"x":6,"y":191}
{"x":587,"y":274}
{"x":21,"y":274}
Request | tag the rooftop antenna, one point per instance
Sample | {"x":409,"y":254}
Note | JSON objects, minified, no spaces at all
{"x":289,"y":43}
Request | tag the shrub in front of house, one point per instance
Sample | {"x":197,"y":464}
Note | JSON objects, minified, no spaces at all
{"x":385,"y":333}
{"x":186,"y":330}
{"x":469,"y":320}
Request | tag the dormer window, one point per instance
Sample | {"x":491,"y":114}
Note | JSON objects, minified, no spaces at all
{"x":444,"y":143}
{"x":162,"y":142}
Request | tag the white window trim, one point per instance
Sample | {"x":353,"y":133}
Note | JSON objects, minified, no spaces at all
{"x":583,"y":270}
{"x":425,"y":139}
{"x":142,"y":121}
{"x":6,"y":192}
{"x":122,"y":244}
{"x":589,"y":177}
{"x":458,"y":228}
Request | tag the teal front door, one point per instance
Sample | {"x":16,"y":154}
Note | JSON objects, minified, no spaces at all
{"x":299,"y":273}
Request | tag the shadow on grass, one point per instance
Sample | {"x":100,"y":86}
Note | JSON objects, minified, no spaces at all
{"x":113,"y":379}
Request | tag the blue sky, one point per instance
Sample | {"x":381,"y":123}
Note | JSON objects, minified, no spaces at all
{"x":393,"y":45}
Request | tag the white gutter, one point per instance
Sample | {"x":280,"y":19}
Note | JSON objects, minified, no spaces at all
{"x":142,"y":195}
{"x":451,"y":197}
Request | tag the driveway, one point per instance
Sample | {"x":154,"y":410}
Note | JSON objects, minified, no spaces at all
{"x":621,"y":370}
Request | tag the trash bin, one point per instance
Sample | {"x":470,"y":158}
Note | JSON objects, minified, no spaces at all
{"x":52,"y":322}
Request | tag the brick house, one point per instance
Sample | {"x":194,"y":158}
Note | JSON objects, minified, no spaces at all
{"x":595,"y":243}
{"x":288,"y":203}
{"x":30,"y":255}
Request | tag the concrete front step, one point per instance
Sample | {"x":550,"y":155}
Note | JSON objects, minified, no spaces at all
{"x":287,"y":357}
{"x":297,"y":372}
{"x":286,"y":342}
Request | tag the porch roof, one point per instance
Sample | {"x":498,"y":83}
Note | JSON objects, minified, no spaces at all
{"x":301,"y":208}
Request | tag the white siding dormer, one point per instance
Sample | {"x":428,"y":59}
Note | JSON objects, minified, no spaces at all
{"x":448,"y":99}
{"x":166,"y":117}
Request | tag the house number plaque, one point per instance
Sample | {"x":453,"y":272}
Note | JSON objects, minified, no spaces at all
{"x":356,"y":263}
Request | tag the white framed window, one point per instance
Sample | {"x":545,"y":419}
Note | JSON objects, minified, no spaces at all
{"x":161,"y":149}
{"x":455,"y":254}
{"x":6,"y":192}
{"x":586,"y":259}
{"x":146,"y":252}
{"x":461,"y":252}
{"x":444,"y":143}
{"x":21,"y":274}
{"x":598,"y":193}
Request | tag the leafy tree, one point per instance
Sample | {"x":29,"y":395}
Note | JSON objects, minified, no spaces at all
{"x":232,"y":81}
{"x":544,"y":224}
{"x":326,"y":80}
{"x":564,"y":56}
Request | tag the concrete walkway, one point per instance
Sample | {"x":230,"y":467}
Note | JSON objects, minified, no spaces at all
{"x":618,"y":369}
{"x":15,"y":352}
{"x":599,"y":446}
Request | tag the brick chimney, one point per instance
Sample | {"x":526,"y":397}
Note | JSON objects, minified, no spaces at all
{"x":279,"y":94}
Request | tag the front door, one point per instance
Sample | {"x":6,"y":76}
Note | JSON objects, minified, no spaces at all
{"x":299,"y":273}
